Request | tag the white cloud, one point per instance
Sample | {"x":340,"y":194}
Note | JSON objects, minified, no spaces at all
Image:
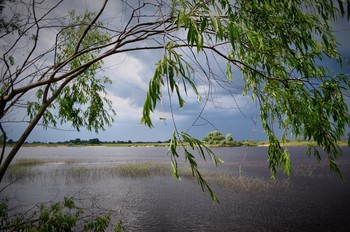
{"x":128,"y":110}
{"x":125,"y":108}
{"x":231,"y":102}
{"x":126,"y":69}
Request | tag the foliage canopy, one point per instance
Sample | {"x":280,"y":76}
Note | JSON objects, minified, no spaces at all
{"x":216,"y":137}
{"x":277,"y":46}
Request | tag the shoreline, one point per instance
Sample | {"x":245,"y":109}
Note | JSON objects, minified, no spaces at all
{"x":341,"y":143}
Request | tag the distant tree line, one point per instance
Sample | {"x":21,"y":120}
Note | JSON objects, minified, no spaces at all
{"x":212,"y":138}
{"x":79,"y":141}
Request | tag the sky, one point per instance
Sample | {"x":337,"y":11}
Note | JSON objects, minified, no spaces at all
{"x":130,"y":74}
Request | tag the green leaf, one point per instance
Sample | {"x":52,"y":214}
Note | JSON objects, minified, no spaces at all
{"x":204,"y":23}
{"x":220,"y":29}
{"x":213,"y":22}
{"x":194,"y":144}
{"x":12,"y":60}
{"x":317,"y":154}
{"x":228,"y":70}
{"x":232,"y":35}
{"x":276,"y":46}
{"x":39,"y":93}
{"x":334,"y":167}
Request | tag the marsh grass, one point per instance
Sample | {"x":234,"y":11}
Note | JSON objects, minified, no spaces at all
{"x":318,"y":170}
{"x":78,"y":171}
{"x":247,"y":183}
{"x":218,"y":177}
{"x":139,"y":170}
{"x":304,"y":171}
{"x":18,"y":170}
{"x":241,"y":183}
{"x":15,"y":172}
{"x":25,"y":168}
{"x":30,"y":162}
{"x":35,"y":162}
{"x":296,"y":143}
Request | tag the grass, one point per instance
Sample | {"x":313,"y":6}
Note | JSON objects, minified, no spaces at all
{"x":17,"y":172}
{"x":304,"y":171}
{"x":141,"y":144}
{"x":25,"y":168}
{"x":77,"y":171}
{"x":30,"y":162}
{"x":20,"y":169}
{"x":247,"y":183}
{"x":140,"y":170}
{"x":155,"y":144}
{"x":295,"y":143}
{"x":238,"y":183}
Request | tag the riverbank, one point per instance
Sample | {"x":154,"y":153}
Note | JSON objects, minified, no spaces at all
{"x":252,"y":143}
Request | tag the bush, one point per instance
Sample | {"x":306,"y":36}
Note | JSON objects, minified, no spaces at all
{"x":62,"y":216}
{"x":217,"y":138}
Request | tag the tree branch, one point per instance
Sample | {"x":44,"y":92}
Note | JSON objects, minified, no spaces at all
{"x":3,"y":145}
{"x":90,"y":25}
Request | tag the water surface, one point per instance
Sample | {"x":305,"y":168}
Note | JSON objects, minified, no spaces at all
{"x":311,"y":199}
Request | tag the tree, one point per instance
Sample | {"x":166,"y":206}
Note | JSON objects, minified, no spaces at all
{"x":77,"y":141}
{"x":8,"y":24}
{"x":229,"y":138}
{"x":94,"y":141}
{"x":214,"y":137}
{"x":275,"y":46}
{"x":66,"y":89}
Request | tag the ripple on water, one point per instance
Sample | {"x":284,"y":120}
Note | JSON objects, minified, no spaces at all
{"x":310,"y":200}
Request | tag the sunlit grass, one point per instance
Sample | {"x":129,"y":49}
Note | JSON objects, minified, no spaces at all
{"x":30,"y":162}
{"x":155,"y":144}
{"x":139,"y":170}
{"x":296,"y":143}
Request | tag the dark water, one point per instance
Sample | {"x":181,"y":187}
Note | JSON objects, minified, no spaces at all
{"x":311,"y":199}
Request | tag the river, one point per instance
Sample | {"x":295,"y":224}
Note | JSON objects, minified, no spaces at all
{"x":311,"y":199}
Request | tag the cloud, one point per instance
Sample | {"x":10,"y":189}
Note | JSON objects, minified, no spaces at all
{"x":128,"y":70}
{"x":125,"y":108}
{"x":130,"y":83}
